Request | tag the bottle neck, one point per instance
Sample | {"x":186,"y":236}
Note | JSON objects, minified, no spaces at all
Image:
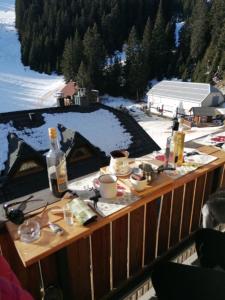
{"x":54,"y":145}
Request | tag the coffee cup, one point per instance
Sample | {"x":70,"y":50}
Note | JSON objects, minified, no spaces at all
{"x":108,"y":185}
{"x":139,"y":183}
{"x":119,"y":163}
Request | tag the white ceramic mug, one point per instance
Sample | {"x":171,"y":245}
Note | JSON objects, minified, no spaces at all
{"x":108,"y":185}
{"x":119,"y":161}
{"x":138,"y":185}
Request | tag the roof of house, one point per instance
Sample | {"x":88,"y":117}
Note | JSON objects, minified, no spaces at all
{"x":220,"y":110}
{"x":182,"y":91}
{"x":96,"y":129}
{"x":205,"y":111}
{"x":70,"y":89}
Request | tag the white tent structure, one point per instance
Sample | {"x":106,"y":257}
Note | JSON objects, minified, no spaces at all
{"x":171,"y":97}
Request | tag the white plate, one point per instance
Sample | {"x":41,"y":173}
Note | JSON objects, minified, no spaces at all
{"x":108,"y":169}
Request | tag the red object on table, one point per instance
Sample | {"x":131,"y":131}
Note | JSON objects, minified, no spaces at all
{"x":160,"y":157}
{"x":219,"y":138}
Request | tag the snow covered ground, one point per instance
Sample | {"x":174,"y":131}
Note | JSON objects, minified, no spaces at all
{"x":157,"y":127}
{"x":20,"y":88}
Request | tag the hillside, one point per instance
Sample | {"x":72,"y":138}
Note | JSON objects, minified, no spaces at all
{"x":76,"y":38}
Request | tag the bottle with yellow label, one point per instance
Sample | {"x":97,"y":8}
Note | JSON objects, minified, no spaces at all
{"x":56,"y":165}
{"x":179,"y":137}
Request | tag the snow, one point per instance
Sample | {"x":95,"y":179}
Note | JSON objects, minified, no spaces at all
{"x":20,"y":87}
{"x":158,"y":128}
{"x":179,"y":25}
{"x":97,"y":127}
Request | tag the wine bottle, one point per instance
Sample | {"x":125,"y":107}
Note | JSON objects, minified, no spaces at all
{"x":56,"y":165}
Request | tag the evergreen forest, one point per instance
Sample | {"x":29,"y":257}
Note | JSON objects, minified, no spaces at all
{"x":84,"y":39}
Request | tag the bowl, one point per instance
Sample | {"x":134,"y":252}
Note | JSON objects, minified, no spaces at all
{"x":138,"y":183}
{"x":29,"y":231}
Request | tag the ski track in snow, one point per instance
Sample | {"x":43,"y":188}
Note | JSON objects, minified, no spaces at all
{"x":20,"y":87}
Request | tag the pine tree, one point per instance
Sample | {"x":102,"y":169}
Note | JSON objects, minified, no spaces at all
{"x":199,"y":30}
{"x":159,"y":46}
{"x":113,"y":77}
{"x":83,"y":77}
{"x":94,"y":55}
{"x":67,"y":61}
{"x":72,"y":57}
{"x":172,"y":52}
{"x":135,"y":79}
{"x":146,"y":44}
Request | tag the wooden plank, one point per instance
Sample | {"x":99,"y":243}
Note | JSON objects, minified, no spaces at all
{"x":222,"y":181}
{"x":151,"y":226}
{"x":197,"y":205}
{"x":100,"y":246}
{"x":176,"y":216}
{"x":78,"y":255}
{"x":49,"y":271}
{"x":119,"y":250}
{"x":187,"y":209}
{"x":136,"y":239}
{"x":164,"y":224}
{"x":208,"y":186}
{"x":208,"y":149}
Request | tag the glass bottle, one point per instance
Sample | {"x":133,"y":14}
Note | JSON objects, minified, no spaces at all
{"x":56,"y":165}
{"x":180,"y":137}
{"x":170,"y":151}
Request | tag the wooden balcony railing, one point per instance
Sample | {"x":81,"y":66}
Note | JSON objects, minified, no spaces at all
{"x":96,"y":259}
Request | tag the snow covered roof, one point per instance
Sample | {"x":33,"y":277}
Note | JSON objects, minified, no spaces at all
{"x":182,"y":91}
{"x":104,"y":127}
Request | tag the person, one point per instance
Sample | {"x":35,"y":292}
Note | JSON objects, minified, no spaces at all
{"x":10,"y":287}
{"x":213,"y":211}
{"x":174,"y":281}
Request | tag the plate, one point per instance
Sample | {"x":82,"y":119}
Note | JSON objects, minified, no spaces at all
{"x":108,"y":169}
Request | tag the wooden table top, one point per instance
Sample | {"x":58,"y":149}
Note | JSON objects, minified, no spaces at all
{"x":49,"y":242}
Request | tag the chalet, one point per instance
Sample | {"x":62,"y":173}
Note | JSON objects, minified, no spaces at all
{"x":66,"y":96}
{"x":72,"y":94}
{"x":179,"y":97}
{"x":204,"y":114}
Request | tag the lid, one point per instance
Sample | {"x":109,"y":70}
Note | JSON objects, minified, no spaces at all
{"x":175,"y":125}
{"x":52,"y":132}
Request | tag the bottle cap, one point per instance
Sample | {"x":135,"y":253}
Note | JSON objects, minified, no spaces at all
{"x":52,"y":132}
{"x":175,"y":125}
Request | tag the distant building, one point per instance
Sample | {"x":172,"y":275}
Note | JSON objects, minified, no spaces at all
{"x":204,"y":116}
{"x":179,"y":97}
{"x":71,"y":94}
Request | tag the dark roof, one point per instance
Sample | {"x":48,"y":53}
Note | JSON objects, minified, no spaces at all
{"x":19,"y":152}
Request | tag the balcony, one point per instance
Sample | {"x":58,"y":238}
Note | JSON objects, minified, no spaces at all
{"x":107,"y":258}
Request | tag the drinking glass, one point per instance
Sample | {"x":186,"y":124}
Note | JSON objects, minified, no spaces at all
{"x":68,"y":214}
